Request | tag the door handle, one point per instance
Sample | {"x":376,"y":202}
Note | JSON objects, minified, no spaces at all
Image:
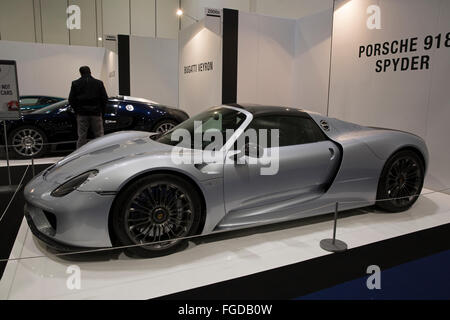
{"x":332,"y":153}
{"x":110,"y":121}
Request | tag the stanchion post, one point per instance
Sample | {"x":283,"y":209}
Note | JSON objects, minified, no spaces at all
{"x":336,"y":209}
{"x":33,"y":172}
{"x":334,"y":245}
{"x":7,"y":152}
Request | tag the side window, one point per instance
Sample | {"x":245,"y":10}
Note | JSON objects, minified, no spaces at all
{"x":52,"y":101}
{"x":46,"y":101}
{"x":299,"y":130}
{"x":267,"y":123}
{"x":293,"y":130}
{"x":28,"y":101}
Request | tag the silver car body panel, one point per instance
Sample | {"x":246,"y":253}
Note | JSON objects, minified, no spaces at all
{"x":311,"y":178}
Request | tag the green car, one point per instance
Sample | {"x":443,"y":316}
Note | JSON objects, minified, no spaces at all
{"x":31,"y":103}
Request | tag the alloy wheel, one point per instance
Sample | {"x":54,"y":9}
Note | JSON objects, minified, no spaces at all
{"x":159,"y":213}
{"x":164,"y":127}
{"x":28,"y":142}
{"x":403,"y":181}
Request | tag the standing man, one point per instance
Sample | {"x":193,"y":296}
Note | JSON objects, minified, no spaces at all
{"x":88,"y":99}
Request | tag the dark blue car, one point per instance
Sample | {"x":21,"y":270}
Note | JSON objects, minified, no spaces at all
{"x":29,"y":137}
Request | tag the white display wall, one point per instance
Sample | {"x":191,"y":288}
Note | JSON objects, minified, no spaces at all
{"x":287,"y":62}
{"x":312,"y":59}
{"x":280,"y":61}
{"x":154,"y":69}
{"x":200,"y":87}
{"x":266,"y":51}
{"x":284,"y":61}
{"x":49,"y":69}
{"x":415,"y":99}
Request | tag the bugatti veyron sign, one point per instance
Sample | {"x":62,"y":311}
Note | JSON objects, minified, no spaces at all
{"x":9,"y":92}
{"x":201,"y":67}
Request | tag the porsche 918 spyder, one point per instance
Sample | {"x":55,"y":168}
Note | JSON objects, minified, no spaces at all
{"x":125,"y":189}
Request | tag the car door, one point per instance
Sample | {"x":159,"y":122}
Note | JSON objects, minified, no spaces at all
{"x":307,"y":161}
{"x":61,"y":122}
{"x":126,"y":113}
{"x":118,"y":116}
{"x":110,"y":117}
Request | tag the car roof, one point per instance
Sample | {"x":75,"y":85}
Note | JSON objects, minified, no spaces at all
{"x":266,"y":110}
{"x":110,"y":99}
{"x":39,"y":96}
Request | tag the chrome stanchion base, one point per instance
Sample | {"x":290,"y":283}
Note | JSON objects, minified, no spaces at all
{"x":333,"y":245}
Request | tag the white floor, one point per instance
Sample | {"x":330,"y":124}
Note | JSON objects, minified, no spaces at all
{"x":209,"y":262}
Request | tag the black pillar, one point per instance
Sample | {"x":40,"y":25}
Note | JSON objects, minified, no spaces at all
{"x":230,"y":55}
{"x":123,"y":46}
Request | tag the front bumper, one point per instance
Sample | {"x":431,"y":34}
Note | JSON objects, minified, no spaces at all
{"x":42,"y":229}
{"x":76,"y":221}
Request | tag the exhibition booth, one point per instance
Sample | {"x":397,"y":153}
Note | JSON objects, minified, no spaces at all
{"x":357,"y":94}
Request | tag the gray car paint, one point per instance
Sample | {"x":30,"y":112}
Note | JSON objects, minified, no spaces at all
{"x":311,"y":179}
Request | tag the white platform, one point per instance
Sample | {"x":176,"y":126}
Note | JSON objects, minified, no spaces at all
{"x":209,"y":262}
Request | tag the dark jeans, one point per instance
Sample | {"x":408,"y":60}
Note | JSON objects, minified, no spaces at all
{"x":86,"y":122}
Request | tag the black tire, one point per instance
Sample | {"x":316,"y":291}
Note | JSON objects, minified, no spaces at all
{"x":28,"y":142}
{"x":401,"y":181}
{"x":164,"y":125}
{"x":153,"y":219}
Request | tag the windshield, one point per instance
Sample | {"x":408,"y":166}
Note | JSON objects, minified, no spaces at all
{"x":52,"y":107}
{"x":219,"y":121}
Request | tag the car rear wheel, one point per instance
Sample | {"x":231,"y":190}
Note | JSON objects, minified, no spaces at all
{"x":28,"y":142}
{"x":164,"y":126}
{"x":153,"y":213}
{"x":401,"y":181}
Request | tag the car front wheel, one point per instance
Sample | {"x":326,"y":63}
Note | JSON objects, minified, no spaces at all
{"x":153,"y":214}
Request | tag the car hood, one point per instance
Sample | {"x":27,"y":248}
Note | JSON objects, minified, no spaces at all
{"x":108,"y":149}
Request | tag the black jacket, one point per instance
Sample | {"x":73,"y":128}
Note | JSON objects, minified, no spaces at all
{"x":88,"y":96}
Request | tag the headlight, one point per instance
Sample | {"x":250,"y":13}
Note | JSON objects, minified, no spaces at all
{"x":73,"y":184}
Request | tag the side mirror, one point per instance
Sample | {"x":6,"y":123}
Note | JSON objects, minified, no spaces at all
{"x":70,"y":110}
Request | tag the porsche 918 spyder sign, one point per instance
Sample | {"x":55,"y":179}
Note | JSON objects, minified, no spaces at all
{"x":9,"y":91}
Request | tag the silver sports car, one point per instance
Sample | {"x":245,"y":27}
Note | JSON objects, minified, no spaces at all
{"x":149,"y":190}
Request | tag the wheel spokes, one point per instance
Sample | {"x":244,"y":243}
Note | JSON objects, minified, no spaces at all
{"x":403,"y":181}
{"x":28,"y":142}
{"x":159,"y":213}
{"x":165,"y":127}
